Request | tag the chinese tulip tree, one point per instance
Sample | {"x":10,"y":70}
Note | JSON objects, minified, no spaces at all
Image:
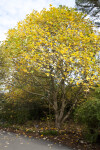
{"x":59,"y":46}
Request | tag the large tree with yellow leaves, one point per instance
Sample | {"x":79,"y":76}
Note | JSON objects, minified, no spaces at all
{"x":58,"y":46}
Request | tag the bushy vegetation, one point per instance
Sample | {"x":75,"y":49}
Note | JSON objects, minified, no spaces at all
{"x":50,"y":132}
{"x":20,"y":110}
{"x":88,"y":114}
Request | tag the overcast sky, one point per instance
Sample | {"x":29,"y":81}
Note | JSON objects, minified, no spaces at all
{"x":12,"y":11}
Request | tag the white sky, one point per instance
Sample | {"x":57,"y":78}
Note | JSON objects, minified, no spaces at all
{"x":12,"y":11}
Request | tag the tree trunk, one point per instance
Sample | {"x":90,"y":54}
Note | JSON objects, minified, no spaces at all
{"x":59,"y":115}
{"x":57,"y":124}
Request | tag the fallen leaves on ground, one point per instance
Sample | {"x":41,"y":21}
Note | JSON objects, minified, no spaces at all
{"x":70,"y":135}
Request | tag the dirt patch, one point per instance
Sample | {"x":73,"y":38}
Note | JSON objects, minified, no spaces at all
{"x":70,"y":137}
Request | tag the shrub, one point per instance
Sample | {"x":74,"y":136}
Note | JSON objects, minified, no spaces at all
{"x":13,"y":114}
{"x":88,"y":114}
{"x":50,"y":132}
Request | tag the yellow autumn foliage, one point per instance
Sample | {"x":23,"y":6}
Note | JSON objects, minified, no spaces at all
{"x":59,"y":38}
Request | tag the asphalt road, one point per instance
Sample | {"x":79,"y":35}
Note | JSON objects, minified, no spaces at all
{"x":12,"y":141}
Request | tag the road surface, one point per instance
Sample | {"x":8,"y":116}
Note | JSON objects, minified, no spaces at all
{"x":12,"y":141}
